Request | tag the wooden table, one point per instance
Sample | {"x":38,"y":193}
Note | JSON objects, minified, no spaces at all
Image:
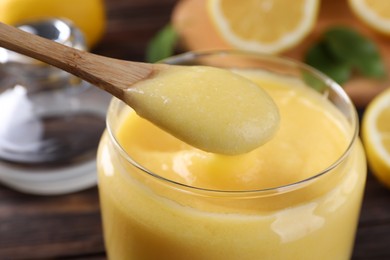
{"x":69,"y":226}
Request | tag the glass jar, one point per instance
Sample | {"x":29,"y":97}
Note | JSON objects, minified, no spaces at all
{"x":51,"y":121}
{"x":147,"y":215}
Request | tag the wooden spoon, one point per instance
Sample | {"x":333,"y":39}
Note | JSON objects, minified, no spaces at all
{"x":202,"y":115}
{"x":112,"y":75}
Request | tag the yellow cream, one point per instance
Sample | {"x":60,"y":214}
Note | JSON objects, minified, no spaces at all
{"x":209,"y":108}
{"x":148,"y":218}
{"x":310,"y":133}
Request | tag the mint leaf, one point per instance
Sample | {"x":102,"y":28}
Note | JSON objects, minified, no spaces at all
{"x":162,"y":44}
{"x":372,"y":67}
{"x":343,"y":50}
{"x":319,"y":57}
{"x":351,"y":47}
{"x":314,"y":82}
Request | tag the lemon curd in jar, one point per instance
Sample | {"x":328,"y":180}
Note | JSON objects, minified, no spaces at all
{"x":296,"y":197}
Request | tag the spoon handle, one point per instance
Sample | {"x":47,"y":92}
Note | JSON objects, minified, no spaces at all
{"x":112,"y":75}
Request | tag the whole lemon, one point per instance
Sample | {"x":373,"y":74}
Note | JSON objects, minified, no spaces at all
{"x":87,"y":15}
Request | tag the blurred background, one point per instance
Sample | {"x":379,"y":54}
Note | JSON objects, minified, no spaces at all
{"x":64,"y":222}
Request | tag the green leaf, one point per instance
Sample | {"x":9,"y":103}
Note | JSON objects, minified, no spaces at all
{"x":162,"y":44}
{"x":372,"y":67}
{"x":349,"y":46}
{"x":314,"y":82}
{"x":343,"y":50}
{"x":319,"y":57}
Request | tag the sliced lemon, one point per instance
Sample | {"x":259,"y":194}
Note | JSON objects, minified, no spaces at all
{"x":376,"y":136}
{"x":87,"y":15}
{"x":269,"y":26}
{"x":374,"y":13}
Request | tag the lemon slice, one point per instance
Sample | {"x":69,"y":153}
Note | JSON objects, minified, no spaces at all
{"x":269,"y":26}
{"x":374,"y":13}
{"x":376,"y":136}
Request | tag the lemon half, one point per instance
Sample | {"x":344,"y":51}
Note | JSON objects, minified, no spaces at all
{"x":268,"y":26}
{"x":376,"y":136}
{"x":374,"y":13}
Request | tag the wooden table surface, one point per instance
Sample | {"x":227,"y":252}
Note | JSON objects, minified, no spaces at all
{"x":69,"y":226}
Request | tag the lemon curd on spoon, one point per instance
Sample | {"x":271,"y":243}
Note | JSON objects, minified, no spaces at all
{"x":296,"y":196}
{"x":209,"y":108}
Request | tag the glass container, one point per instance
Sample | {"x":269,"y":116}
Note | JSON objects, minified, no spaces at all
{"x":51,"y":121}
{"x":147,"y":215}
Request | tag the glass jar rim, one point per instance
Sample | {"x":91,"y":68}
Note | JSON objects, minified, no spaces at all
{"x":188,"y":56}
